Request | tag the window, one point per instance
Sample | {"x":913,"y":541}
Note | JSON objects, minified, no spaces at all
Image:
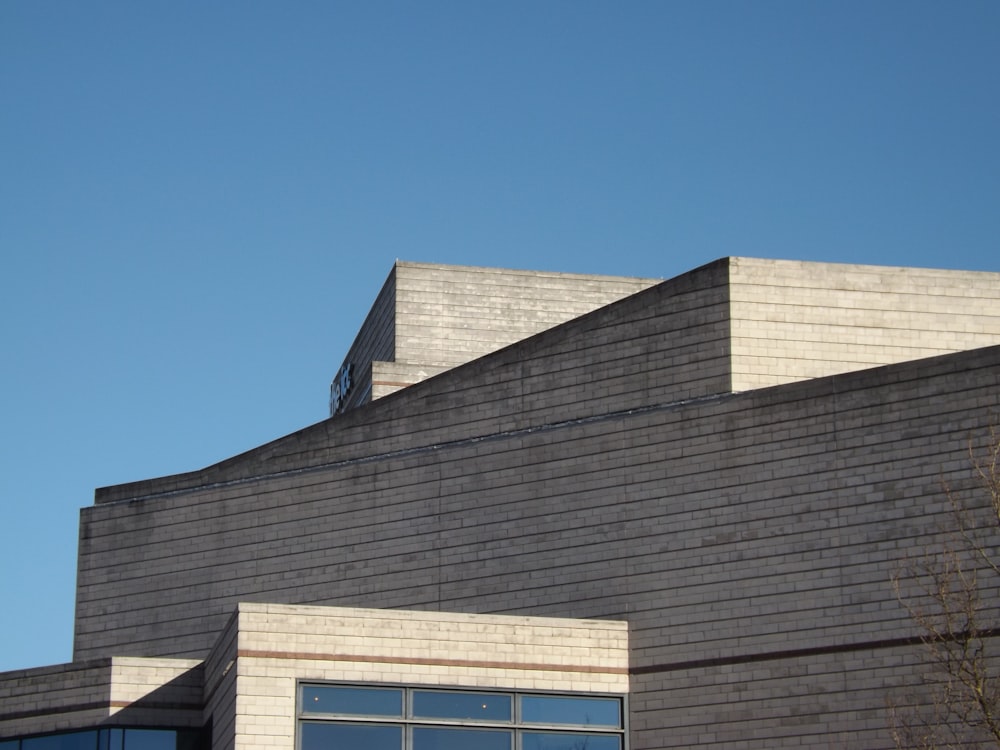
{"x":372,"y":717}
{"x":110,"y":739}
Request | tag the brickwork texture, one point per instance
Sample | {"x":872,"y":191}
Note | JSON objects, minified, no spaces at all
{"x":633,"y":463}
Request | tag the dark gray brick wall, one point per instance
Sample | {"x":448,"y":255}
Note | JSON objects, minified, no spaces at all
{"x":748,"y":539}
{"x":600,"y":469}
{"x":665,"y":344}
{"x":375,"y":341}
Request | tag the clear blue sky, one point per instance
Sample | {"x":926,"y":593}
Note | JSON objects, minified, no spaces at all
{"x":199,"y":201}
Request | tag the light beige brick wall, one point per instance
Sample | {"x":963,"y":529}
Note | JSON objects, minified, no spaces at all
{"x":389,"y":377}
{"x":156,"y":692}
{"x":793,"y":320}
{"x":60,"y":697}
{"x":279,"y":645}
{"x":122,"y":690}
{"x":430,"y":317}
{"x":449,"y":315}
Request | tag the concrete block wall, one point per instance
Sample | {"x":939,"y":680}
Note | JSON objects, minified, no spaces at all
{"x":790,"y":320}
{"x":838,"y":701}
{"x":389,"y":377}
{"x":220,"y":685}
{"x":430,"y":317}
{"x":735,"y":533}
{"x":61,"y":697}
{"x":119,"y":691}
{"x":450,"y":315}
{"x":601,"y":469}
{"x":279,"y":645}
{"x":685,"y":338}
{"x":668,"y":343}
{"x":376,"y":340}
{"x":793,"y":320}
{"x":156,"y":692}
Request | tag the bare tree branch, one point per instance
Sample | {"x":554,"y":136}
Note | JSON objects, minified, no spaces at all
{"x":943,"y":594}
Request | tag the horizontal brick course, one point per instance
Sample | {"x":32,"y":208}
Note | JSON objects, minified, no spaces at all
{"x":603,"y":469}
{"x":280,"y":645}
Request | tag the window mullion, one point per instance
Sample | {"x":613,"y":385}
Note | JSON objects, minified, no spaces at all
{"x":422,"y":714}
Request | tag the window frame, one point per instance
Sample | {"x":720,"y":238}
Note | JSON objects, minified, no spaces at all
{"x":408,"y":721}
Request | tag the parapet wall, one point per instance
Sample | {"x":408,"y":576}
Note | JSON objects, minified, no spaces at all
{"x":794,"y":320}
{"x":430,"y":318}
{"x":281,"y":645}
{"x":120,"y":691}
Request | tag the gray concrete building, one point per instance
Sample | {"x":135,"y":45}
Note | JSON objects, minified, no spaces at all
{"x":551,"y":511}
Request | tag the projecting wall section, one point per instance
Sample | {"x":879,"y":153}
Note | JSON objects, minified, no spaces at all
{"x":351,"y":385}
{"x":279,"y":645}
{"x":446,"y":316}
{"x":220,"y":688}
{"x":120,"y":691}
{"x":667,"y":343}
{"x":794,"y":320}
{"x":429,"y":318}
{"x":602,"y":469}
{"x":748,"y":539}
{"x":56,"y":698}
{"x":449,"y":315}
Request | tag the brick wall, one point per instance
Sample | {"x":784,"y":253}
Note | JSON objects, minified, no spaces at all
{"x":731,"y":532}
{"x":279,"y":645}
{"x":121,"y":691}
{"x":66,"y":696}
{"x":375,"y":341}
{"x":449,"y":315}
{"x":429,"y":318}
{"x":603,"y":469}
{"x":793,"y":320}
{"x":665,"y":344}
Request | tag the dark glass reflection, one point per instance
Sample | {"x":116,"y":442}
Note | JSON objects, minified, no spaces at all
{"x":434,"y":738}
{"x":352,"y":701}
{"x":429,"y":704}
{"x":68,"y":741}
{"x":350,"y":737}
{"x":551,"y":709}
{"x":150,"y":739}
{"x":554,"y":741}
{"x":111,"y":739}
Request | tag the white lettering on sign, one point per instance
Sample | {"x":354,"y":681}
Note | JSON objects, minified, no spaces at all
{"x":340,"y":387}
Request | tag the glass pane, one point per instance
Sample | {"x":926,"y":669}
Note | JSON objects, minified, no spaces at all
{"x":553,"y":741}
{"x":551,"y":709}
{"x":350,"y":737}
{"x":431,"y":704}
{"x":111,"y":739}
{"x":433,"y":738}
{"x":150,"y":739}
{"x":352,"y":701}
{"x":8,"y":744}
{"x":68,"y":741}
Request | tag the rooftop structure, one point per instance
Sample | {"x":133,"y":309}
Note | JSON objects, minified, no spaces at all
{"x":615,"y":512}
